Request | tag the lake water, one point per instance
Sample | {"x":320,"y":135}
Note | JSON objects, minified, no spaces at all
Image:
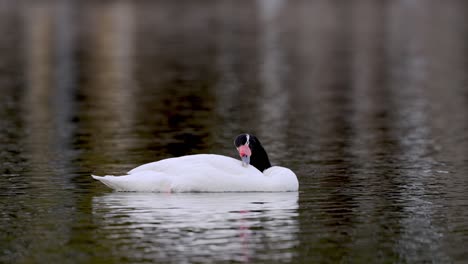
{"x":367,"y":101}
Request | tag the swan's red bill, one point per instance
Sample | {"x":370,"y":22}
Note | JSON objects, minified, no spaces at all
{"x":245,"y":153}
{"x":244,"y":150}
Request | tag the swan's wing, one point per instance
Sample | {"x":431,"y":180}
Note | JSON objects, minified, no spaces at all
{"x":193,"y":163}
{"x":204,"y":172}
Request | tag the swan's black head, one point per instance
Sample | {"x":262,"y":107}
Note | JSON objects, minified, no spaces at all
{"x":252,"y":152}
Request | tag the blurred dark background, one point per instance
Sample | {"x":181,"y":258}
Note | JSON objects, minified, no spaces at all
{"x":365,"y":100}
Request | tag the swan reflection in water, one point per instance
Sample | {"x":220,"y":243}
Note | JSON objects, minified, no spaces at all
{"x":199,"y":226}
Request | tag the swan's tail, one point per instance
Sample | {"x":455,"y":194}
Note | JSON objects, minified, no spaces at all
{"x":145,"y":181}
{"x":108,"y":180}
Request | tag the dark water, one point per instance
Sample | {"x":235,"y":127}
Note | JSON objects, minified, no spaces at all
{"x":367,"y":101}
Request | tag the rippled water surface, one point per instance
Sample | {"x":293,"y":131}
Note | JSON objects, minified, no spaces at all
{"x":367,"y":101}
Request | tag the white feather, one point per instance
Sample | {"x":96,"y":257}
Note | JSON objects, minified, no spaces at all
{"x":202,"y":173}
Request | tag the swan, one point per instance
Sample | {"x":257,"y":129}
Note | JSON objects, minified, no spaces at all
{"x":209,"y":173}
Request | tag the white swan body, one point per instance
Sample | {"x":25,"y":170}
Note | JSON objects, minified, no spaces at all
{"x":202,"y":173}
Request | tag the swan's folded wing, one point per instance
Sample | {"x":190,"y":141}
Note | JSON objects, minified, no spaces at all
{"x":145,"y":181}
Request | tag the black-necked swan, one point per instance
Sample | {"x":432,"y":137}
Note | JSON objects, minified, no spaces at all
{"x":209,"y":173}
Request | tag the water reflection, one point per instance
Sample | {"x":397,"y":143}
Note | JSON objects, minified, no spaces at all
{"x":273,"y":97}
{"x":365,"y":100}
{"x":196,"y":227}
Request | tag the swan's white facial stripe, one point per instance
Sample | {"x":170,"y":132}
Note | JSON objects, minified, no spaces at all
{"x":247,"y":142}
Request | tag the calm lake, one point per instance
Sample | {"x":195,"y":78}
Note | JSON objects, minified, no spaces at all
{"x":366,"y":101}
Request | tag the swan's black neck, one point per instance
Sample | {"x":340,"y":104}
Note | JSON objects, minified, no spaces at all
{"x":259,"y":158}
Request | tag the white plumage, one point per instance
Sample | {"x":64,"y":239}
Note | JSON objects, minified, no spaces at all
{"x":202,"y":173}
